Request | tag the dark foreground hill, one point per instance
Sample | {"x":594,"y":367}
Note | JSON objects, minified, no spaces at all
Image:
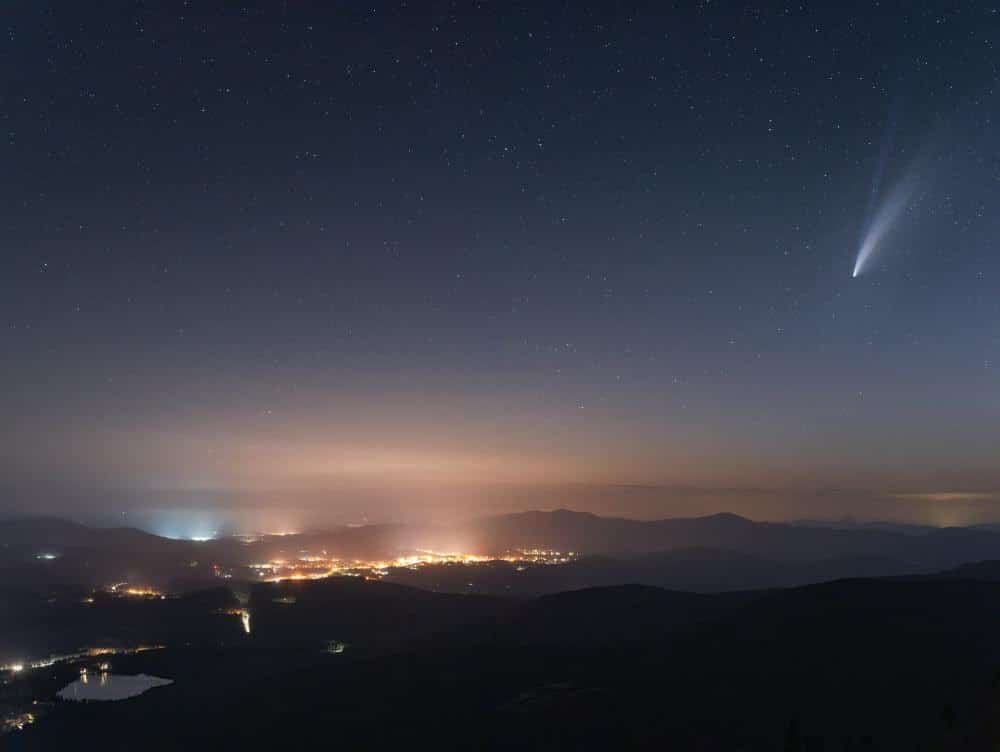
{"x":891,"y":664}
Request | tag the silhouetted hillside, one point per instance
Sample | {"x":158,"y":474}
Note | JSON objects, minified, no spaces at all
{"x":984,"y":571}
{"x":35,"y":622}
{"x":363,"y":612}
{"x":855,"y":664}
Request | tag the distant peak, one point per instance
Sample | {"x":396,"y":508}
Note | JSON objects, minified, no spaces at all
{"x":563,"y":512}
{"x":727,"y":517}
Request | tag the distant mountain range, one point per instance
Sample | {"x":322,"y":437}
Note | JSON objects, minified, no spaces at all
{"x":713,"y":553}
{"x":590,"y":534}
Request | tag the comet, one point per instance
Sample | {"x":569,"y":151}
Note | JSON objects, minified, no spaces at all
{"x":881,"y":223}
{"x":880,"y":217}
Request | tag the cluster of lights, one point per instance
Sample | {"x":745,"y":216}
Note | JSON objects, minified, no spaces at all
{"x":317,"y":567}
{"x":103,"y":668}
{"x":312,"y":567}
{"x":22,"y":666}
{"x":242,"y":613}
{"x":18,"y":722}
{"x":540,"y":556}
{"x":123,"y":589}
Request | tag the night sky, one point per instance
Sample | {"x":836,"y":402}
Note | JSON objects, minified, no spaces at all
{"x":330,"y":261}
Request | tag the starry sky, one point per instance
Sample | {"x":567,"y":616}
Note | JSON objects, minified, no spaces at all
{"x":336,"y":261}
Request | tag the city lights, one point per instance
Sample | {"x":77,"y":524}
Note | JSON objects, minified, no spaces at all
{"x":317,"y":567}
{"x":123,"y":589}
{"x":18,"y":722}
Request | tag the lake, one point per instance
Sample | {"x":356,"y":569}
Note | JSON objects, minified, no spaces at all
{"x":110,"y":687}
